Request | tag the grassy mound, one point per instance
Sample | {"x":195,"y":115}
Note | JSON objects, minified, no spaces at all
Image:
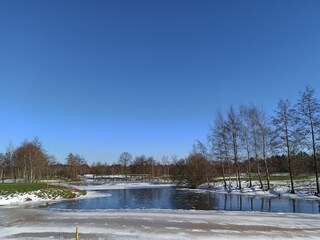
{"x":41,"y":190}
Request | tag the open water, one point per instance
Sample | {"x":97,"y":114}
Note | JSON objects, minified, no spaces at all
{"x":173,"y":198}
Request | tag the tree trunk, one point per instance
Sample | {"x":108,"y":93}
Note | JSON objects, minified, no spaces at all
{"x":235,"y":151}
{"x":249,"y":173}
{"x":265,"y":160}
{"x":25,"y":172}
{"x":249,"y":169}
{"x":315,"y":158}
{"x":2,"y":175}
{"x":249,"y":163}
{"x":259,"y":174}
{"x":267,"y":173}
{"x":256,"y":157}
{"x":125,"y":170}
{"x":31,"y":172}
{"x":223,"y":174}
{"x":289,"y":162}
{"x":238,"y":174}
{"x":229,"y":176}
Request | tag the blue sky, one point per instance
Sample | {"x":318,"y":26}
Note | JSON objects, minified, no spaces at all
{"x":99,"y":78}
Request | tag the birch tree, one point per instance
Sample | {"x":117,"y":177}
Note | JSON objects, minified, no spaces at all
{"x":309,"y":122}
{"x":245,"y":138}
{"x":254,"y":127}
{"x":265,"y":135}
{"x":233,"y":126}
{"x":218,"y":141}
{"x":284,"y":123}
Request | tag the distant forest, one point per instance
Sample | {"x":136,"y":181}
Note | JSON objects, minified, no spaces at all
{"x":244,"y":143}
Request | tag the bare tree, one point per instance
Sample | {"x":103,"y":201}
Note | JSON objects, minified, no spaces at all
{"x":150,"y":165}
{"x":10,"y":162}
{"x":265,"y":134}
{"x":52,"y":169}
{"x":100,"y":168}
{"x":233,"y":126}
{"x":284,"y":122}
{"x":74,"y":162}
{"x":166,"y":164}
{"x":254,"y":120}
{"x":31,"y":158}
{"x":309,"y":118}
{"x":125,"y":160}
{"x":219,"y":145}
{"x":191,"y":172}
{"x":139,"y":166}
{"x":245,"y":137}
{"x":200,"y":149}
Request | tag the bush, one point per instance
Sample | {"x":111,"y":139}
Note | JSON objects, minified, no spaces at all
{"x":193,"y":171}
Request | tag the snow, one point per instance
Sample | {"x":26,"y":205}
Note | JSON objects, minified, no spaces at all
{"x":120,"y":185}
{"x":31,"y":198}
{"x":20,"y":198}
{"x":20,"y":222}
{"x":282,"y":188}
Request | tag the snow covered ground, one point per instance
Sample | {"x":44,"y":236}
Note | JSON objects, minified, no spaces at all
{"x":28,"y":223}
{"x":304,"y":189}
{"x":120,"y":185}
{"x":21,"y":222}
{"x":19,"y":198}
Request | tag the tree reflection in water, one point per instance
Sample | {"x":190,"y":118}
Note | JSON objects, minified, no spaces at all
{"x":172,"y":198}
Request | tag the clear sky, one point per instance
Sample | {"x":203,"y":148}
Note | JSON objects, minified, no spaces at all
{"x":99,"y":78}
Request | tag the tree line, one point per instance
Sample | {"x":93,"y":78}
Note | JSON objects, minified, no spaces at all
{"x":29,"y":163}
{"x":242,"y":142}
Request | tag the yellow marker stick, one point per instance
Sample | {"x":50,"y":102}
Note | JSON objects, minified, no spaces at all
{"x":77,"y":233}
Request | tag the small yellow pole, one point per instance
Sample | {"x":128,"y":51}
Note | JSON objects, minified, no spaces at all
{"x":77,"y":233}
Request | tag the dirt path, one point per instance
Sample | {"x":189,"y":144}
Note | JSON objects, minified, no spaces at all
{"x":24,"y":223}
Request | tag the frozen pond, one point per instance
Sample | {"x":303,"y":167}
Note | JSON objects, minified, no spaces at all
{"x":172,"y":198}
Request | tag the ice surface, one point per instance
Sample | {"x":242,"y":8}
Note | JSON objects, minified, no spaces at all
{"x":20,"y":222}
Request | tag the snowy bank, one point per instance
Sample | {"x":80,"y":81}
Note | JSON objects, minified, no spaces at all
{"x":119,"y":185}
{"x":42,"y":195}
{"x":304,"y":189}
{"x":17,"y":198}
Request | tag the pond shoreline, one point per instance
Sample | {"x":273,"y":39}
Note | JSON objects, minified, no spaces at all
{"x":143,"y":196}
{"x":31,"y":222}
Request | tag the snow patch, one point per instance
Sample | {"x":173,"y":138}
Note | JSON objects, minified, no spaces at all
{"x":304,"y":189}
{"x":19,"y":198}
{"x":120,"y":185}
